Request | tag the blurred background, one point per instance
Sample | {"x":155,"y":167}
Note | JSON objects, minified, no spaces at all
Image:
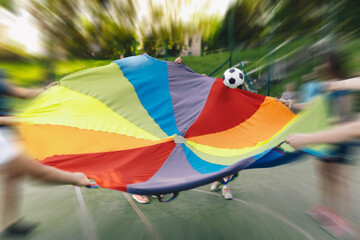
{"x":277,"y":43}
{"x":274,"y":41}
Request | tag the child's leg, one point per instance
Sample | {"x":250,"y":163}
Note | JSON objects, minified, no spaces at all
{"x":11,"y":199}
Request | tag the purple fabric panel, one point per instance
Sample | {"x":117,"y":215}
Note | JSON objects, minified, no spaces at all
{"x":189,"y":92}
{"x":176,"y":174}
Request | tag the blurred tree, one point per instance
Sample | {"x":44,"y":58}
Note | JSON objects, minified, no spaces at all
{"x":248,"y":23}
{"x":111,"y":28}
{"x":86,"y":29}
{"x":60,"y":25}
{"x":163,"y":28}
{"x":206,"y":25}
{"x":293,"y":17}
{"x":349,"y":17}
{"x":7,"y":4}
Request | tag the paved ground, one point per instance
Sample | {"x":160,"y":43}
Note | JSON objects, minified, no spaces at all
{"x":268,"y":204}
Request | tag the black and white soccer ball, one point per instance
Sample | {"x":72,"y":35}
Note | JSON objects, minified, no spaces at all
{"x":233,"y":78}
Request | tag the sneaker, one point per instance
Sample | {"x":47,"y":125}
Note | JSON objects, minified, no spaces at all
{"x":331,"y":223}
{"x":226,"y":193}
{"x":20,"y":228}
{"x":340,"y":230}
{"x":140,"y":198}
{"x":319,"y":214}
{"x":215,"y":186}
{"x":156,"y":196}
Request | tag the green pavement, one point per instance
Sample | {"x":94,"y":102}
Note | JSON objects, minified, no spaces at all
{"x":268,"y":204}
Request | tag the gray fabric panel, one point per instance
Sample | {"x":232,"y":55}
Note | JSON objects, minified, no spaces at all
{"x":189,"y":92}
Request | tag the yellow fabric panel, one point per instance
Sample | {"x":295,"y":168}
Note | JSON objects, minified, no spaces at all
{"x":62,"y":106}
{"x":109,"y":85}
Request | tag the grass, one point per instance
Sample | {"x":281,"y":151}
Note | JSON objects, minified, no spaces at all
{"x":64,"y":68}
{"x":24,"y":73}
{"x":30,"y":74}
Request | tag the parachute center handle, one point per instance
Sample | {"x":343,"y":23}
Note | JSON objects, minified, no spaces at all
{"x":93,"y":185}
{"x":179,"y":139}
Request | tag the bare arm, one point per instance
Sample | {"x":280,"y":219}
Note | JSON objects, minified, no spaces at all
{"x":8,"y":120}
{"x":348,"y":84}
{"x":20,"y":92}
{"x":338,"y":134}
{"x":300,"y":106}
{"x":292,"y":105}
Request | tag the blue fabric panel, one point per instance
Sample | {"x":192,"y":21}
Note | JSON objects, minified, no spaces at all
{"x":274,"y":158}
{"x":152,"y":89}
{"x":317,"y":153}
{"x":200,"y":165}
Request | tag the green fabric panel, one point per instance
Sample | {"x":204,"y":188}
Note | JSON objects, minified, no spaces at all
{"x":108,"y":84}
{"x":314,"y":118}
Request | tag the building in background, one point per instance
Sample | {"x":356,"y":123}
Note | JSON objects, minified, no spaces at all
{"x":192,"y":45}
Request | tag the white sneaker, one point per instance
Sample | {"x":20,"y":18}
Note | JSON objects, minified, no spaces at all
{"x":215,"y":186}
{"x":156,"y":196}
{"x":226,"y":193}
{"x":141,"y":198}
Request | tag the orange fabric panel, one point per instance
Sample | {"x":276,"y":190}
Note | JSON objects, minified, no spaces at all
{"x":262,"y":125}
{"x":62,"y":140}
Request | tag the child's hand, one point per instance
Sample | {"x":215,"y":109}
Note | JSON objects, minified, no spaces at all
{"x":297,"y":140}
{"x":178,"y":60}
{"x":51,"y":85}
{"x":9,"y":120}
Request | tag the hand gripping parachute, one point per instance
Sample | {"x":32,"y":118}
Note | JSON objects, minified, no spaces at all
{"x":147,"y":126}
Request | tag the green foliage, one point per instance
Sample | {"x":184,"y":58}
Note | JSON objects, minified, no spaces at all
{"x":8,"y":4}
{"x":105,"y":31}
{"x":348,"y":17}
{"x":241,"y":24}
{"x":64,"y":68}
{"x":293,"y":17}
{"x":25,"y":74}
{"x":163,"y":27}
{"x":33,"y":73}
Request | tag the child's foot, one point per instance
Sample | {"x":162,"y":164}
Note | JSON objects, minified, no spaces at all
{"x":157,"y":196}
{"x":215,"y":186}
{"x":318,"y":213}
{"x":20,"y":228}
{"x":140,"y":198}
{"x":331,"y":222}
{"x":226,"y":193}
{"x":340,"y":229}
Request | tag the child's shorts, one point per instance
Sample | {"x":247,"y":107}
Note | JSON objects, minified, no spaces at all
{"x":342,"y":154}
{"x":8,"y":147}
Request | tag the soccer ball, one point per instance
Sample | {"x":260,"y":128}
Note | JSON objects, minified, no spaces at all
{"x":233,"y":78}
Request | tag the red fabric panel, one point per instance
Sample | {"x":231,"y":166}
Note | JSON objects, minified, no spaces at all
{"x":225,"y":108}
{"x":116,"y":170}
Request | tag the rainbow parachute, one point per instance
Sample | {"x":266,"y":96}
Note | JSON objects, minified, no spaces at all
{"x":147,"y":126}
